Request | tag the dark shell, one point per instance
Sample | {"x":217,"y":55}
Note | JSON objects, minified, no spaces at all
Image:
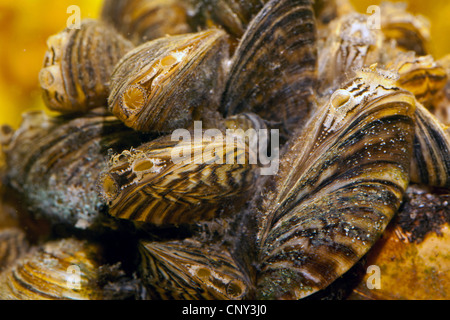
{"x":189,"y":270}
{"x":430,"y":163}
{"x":410,"y":32}
{"x":144,"y":20}
{"x":233,"y":16}
{"x":273,"y":71}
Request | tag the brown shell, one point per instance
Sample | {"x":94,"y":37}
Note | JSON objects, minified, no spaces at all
{"x":78,"y":65}
{"x":44,"y":273}
{"x":189,"y":270}
{"x":167,"y":83}
{"x":339,"y":184}
{"x":273,"y":73}
{"x":410,"y":32}
{"x":144,"y":20}
{"x":147,"y":184}
{"x":233,"y":16}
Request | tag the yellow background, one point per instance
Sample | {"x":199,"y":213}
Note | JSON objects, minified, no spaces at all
{"x":26,"y":24}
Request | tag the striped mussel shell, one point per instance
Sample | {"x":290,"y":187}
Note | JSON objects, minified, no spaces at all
{"x":410,"y":32}
{"x":273,"y":70}
{"x":173,"y":182}
{"x":58,"y":270}
{"x":351,"y":44}
{"x":430,"y":163}
{"x":233,"y":16}
{"x":144,"y":20}
{"x":440,"y":106}
{"x":78,"y":64}
{"x":13,"y":245}
{"x":164,"y":84}
{"x":423,"y":76}
{"x":339,"y":184}
{"x":54,"y":163}
{"x":189,"y":270}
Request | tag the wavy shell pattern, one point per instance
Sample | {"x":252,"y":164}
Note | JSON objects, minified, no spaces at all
{"x":420,"y":75}
{"x":43,"y":273}
{"x":282,"y":66}
{"x":78,"y":65}
{"x":355,"y":106}
{"x":431,"y":158}
{"x":164,"y":84}
{"x":356,"y":165}
{"x":147,"y":184}
{"x":189,"y":270}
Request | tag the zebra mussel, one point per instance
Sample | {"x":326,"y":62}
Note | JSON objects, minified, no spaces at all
{"x":141,"y":214}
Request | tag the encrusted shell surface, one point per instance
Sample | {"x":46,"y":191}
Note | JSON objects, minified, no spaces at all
{"x":54,"y":163}
{"x":339,"y":185}
{"x":350,"y":45}
{"x":167,"y":83}
{"x":78,"y":65}
{"x":421,"y":75}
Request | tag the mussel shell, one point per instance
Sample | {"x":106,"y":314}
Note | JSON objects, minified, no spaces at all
{"x":187,"y":270}
{"x":430,"y":163}
{"x":44,"y":273}
{"x":273,"y":71}
{"x":54,"y":163}
{"x":144,"y":20}
{"x":339,"y":184}
{"x":351,"y":44}
{"x":233,"y":16}
{"x":78,"y":65}
{"x":146,"y":183}
{"x":164,"y":84}
{"x":410,"y":32}
{"x":420,"y":75}
{"x":13,"y":244}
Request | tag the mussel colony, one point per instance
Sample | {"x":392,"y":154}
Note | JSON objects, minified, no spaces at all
{"x":362,"y":113}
